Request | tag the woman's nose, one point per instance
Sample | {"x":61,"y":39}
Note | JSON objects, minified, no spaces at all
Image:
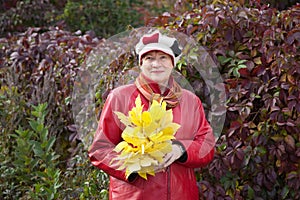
{"x":155,"y":63}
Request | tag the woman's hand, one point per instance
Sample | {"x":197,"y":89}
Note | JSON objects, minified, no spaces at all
{"x":169,"y":158}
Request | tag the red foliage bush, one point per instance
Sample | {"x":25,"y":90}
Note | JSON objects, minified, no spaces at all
{"x":41,"y":65}
{"x":257,"y":49}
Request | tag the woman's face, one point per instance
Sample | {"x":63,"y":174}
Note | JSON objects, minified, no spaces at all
{"x":157,"y":66}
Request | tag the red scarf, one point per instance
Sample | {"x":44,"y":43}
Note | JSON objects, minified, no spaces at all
{"x":171,"y":96}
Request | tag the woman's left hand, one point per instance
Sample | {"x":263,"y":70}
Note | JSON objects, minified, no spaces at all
{"x":169,"y":158}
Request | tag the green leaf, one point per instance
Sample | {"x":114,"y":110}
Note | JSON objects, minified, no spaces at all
{"x":242,"y":66}
{"x":222,"y":147}
{"x":22,"y":133}
{"x":39,"y":111}
{"x":55,"y":157}
{"x":50,"y":144}
{"x":251,"y":193}
{"x":68,"y":100}
{"x":37,"y":148}
{"x":44,"y":135}
{"x":261,"y":150}
{"x":236,"y":72}
{"x":285,"y":191}
{"x":223,"y":60}
{"x":37,"y":127}
{"x":241,"y":62}
{"x":38,"y":187}
{"x":232,"y":63}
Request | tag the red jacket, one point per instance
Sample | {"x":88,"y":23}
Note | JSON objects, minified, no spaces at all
{"x":178,"y":181}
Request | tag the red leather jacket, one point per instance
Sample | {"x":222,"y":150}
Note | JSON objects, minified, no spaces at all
{"x":178,"y":181}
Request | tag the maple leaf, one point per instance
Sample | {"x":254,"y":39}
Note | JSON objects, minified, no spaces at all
{"x":146,"y":138}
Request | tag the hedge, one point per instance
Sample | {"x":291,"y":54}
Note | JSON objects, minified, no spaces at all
{"x":257,"y":155}
{"x":257,"y":49}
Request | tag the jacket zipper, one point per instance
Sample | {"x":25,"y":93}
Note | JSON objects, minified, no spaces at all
{"x":168,"y":183}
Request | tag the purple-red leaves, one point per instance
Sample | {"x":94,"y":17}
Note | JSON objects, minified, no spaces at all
{"x":258,"y":53}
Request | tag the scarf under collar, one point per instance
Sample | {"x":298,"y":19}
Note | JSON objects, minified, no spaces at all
{"x":150,"y":90}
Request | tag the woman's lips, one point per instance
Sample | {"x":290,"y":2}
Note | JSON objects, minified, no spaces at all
{"x":157,"y":72}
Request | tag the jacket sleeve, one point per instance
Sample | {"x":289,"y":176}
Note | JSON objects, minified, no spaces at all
{"x":107,"y":136}
{"x":200,"y":148}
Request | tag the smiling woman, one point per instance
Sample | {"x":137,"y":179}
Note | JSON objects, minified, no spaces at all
{"x":157,"y":66}
{"x":167,"y":146}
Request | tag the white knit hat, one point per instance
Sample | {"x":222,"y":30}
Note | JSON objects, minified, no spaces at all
{"x":158,"y":42}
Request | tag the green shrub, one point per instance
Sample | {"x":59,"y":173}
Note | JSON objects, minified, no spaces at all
{"x":40,"y":66}
{"x":32,"y":171}
{"x":105,"y":17}
{"x":12,"y":113}
{"x":81,"y":180}
{"x":19,"y":15}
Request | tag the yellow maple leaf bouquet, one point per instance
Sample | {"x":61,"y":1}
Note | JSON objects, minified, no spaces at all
{"x":147,"y":137}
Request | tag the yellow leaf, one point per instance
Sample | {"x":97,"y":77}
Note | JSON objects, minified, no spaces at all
{"x":164,"y":138}
{"x":164,"y":147}
{"x":151,"y":129}
{"x":127,"y":173}
{"x":158,"y":155}
{"x":138,"y":103}
{"x":123,"y":118}
{"x":136,"y":112}
{"x":173,"y":126}
{"x":148,"y":145}
{"x":167,"y":119}
{"x":257,"y":60}
{"x":151,"y":172}
{"x":128,"y":149}
{"x":147,"y":161}
{"x":129,"y":132}
{"x":120,"y":146}
{"x":134,"y":167}
{"x":168,"y":131}
{"x":154,"y":137}
{"x":156,"y":111}
{"x":147,"y":138}
{"x":164,"y":106}
{"x":148,"y":170}
{"x":146,"y":118}
{"x":135,"y":118}
{"x":143,"y":175}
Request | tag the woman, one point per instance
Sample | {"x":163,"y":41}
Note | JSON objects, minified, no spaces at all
{"x":194,"y":144}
